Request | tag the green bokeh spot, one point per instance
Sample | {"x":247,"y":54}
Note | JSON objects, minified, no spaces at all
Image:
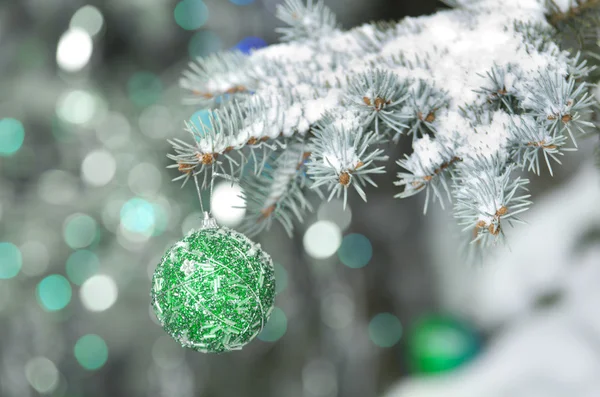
{"x":144,"y":88}
{"x":161,"y":220}
{"x":81,"y":265}
{"x":385,"y":330}
{"x":275,"y":327}
{"x":191,"y":14}
{"x":203,"y":43}
{"x":356,"y":251}
{"x":281,"y":278}
{"x":12,"y":135}
{"x":54,"y":292}
{"x":440,"y":343}
{"x":91,"y":352}
{"x":11,"y":260}
{"x":138,"y":216}
{"x":80,"y":231}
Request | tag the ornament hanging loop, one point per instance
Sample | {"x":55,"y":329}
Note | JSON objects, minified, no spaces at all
{"x":208,"y":222}
{"x":199,"y":193}
{"x":212,"y":186}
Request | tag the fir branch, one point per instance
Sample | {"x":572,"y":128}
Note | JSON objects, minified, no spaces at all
{"x":277,"y":193}
{"x":482,"y":89}
{"x":499,"y":90}
{"x":485,"y":196}
{"x":378,"y":96}
{"x":343,"y":155}
{"x":424,"y":103}
{"x":397,"y":61}
{"x":558,"y":102}
{"x":580,"y":17}
{"x":373,"y":37}
{"x":213,"y":79}
{"x":537,"y":37}
{"x":236,"y":134}
{"x":430,"y":168}
{"x":311,"y":21}
{"x":530,"y":140}
{"x":580,"y":69}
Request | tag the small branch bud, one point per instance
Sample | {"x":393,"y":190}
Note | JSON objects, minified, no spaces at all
{"x":344,"y":178}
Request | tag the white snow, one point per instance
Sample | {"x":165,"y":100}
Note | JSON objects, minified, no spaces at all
{"x":460,"y":45}
{"x":451,"y":50}
{"x":551,"y":352}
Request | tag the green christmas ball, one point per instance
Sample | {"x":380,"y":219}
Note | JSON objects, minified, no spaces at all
{"x":214,"y":290}
{"x":440,"y":343}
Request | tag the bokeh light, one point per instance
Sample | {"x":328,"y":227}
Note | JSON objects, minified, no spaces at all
{"x":334,"y":211}
{"x":250,"y":43}
{"x":385,"y":330}
{"x":356,"y":251}
{"x":98,"y":293}
{"x":338,"y":310}
{"x":138,"y":216}
{"x":80,"y":230}
{"x":42,"y":374}
{"x":87,"y":18}
{"x":12,"y":135}
{"x":81,"y":265}
{"x":77,"y":107}
{"x":113,"y":130}
{"x":74,"y":50}
{"x":439,"y":343}
{"x":157,"y":122}
{"x":35,"y":258}
{"x":281,"y":278}
{"x":203,"y":43}
{"x":144,"y":179}
{"x":54,"y":292}
{"x":57,"y":187}
{"x":167,"y":353}
{"x":91,"y":352}
{"x":11,"y":260}
{"x":322,"y":239}
{"x":98,"y":168}
{"x":191,"y":221}
{"x":161,"y":217}
{"x":144,"y":88}
{"x":191,"y":14}
{"x":319,"y":378}
{"x":275,"y":328}
{"x":227,"y":205}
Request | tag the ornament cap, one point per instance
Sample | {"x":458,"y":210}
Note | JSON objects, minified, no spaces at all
{"x":208,"y":222}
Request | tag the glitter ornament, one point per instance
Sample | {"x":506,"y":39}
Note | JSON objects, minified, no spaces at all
{"x":214,"y":290}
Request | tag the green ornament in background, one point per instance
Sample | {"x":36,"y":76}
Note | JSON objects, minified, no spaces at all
{"x":214,"y":290}
{"x":438,"y":343}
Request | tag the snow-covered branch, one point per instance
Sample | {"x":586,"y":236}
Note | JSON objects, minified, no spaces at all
{"x":480,"y":90}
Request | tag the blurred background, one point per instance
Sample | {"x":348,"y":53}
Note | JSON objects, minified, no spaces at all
{"x":372,"y":301}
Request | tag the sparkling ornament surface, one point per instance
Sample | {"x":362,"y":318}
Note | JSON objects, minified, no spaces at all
{"x":214,"y":290}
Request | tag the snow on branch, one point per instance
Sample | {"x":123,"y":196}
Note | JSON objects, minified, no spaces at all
{"x":480,"y":90}
{"x":306,"y":22}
